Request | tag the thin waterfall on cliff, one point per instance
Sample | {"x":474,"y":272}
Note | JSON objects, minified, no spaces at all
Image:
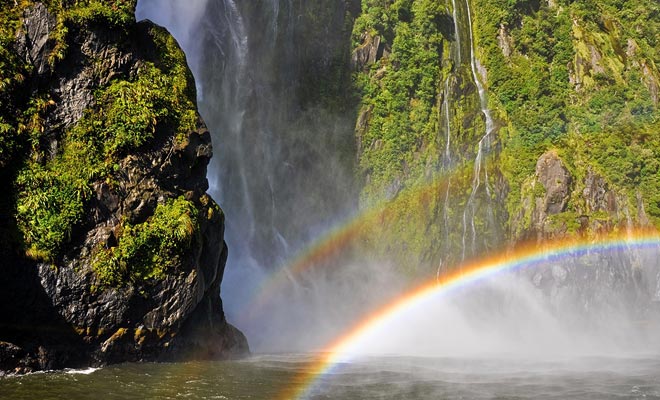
{"x":484,"y":143}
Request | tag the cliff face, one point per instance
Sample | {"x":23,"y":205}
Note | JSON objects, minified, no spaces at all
{"x":578,"y":81}
{"x":111,"y":251}
{"x":502,"y":122}
{"x":425,"y":133}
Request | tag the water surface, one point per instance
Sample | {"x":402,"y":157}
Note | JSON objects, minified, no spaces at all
{"x":268,"y":376}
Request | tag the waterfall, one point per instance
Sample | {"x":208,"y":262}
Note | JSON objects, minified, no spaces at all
{"x":245,"y":106}
{"x":457,"y":34}
{"x":480,"y":173}
{"x":283,"y":162}
{"x":445,"y":106}
{"x":484,"y":142}
{"x":446,"y":166}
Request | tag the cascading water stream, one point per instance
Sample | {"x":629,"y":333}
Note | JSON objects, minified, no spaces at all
{"x":484,"y":142}
{"x":247,"y":115}
{"x":457,"y":34}
{"x":483,"y":146}
{"x":445,"y":107}
{"x":234,"y":101}
{"x":446,"y":166}
{"x":282,"y":165}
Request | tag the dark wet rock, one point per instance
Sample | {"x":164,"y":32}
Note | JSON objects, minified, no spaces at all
{"x":10,"y":356}
{"x":58,"y":314}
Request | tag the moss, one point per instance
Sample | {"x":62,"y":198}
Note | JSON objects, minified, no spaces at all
{"x":52,"y":192}
{"x":119,"y":333}
{"x":140,"y":335}
{"x":148,"y":250}
{"x":213,"y":210}
{"x":132,"y":110}
{"x":568,"y":222}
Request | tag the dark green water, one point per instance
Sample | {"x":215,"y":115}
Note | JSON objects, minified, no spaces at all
{"x":265,"y":377}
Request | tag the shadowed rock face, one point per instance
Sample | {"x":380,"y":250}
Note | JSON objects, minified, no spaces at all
{"x":57,"y":314}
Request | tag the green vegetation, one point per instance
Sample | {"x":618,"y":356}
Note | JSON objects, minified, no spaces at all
{"x":400,"y":95}
{"x":116,"y":13}
{"x":576,"y":77}
{"x":132,"y":110}
{"x":581,"y":77}
{"x":148,"y":250}
{"x":13,"y":71}
{"x":401,"y":90}
{"x":404,"y":139}
{"x":53,"y":180}
{"x":51,"y":195}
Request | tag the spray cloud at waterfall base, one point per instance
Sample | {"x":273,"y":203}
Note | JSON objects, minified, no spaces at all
{"x":263,"y":139}
{"x":496,"y":319}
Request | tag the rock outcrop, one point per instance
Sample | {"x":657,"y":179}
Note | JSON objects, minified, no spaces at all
{"x":557,"y":204}
{"x":370,"y":51}
{"x":60,"y":310}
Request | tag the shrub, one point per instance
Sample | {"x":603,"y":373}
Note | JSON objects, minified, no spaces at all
{"x":148,"y":250}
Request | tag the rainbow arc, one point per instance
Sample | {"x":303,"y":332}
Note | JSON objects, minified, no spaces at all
{"x":524,"y":256}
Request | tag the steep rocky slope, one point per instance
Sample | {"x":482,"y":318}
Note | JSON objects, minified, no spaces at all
{"x":111,"y":249}
{"x":578,"y":80}
{"x":561,"y":141}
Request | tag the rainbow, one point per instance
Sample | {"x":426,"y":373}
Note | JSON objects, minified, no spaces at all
{"x":343,"y":236}
{"x":522,"y":257}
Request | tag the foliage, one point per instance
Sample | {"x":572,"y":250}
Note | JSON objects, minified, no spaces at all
{"x":148,"y":250}
{"x":78,"y":13}
{"x":576,"y":77}
{"x":581,"y":72}
{"x":131,"y":110}
{"x":51,"y":198}
{"x":118,"y":13}
{"x":53,"y":185}
{"x":628,"y":156}
{"x":51,"y":195}
{"x":12,"y":73}
{"x":400,"y":90}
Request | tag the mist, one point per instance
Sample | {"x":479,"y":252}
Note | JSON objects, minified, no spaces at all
{"x":282,"y":169}
{"x":508,"y":317}
{"x":282,"y":172}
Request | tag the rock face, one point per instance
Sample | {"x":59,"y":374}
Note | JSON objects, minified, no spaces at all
{"x":556,"y":204}
{"x":555,"y":183}
{"x":368,"y":52}
{"x":556,"y":180}
{"x":60,"y":313}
